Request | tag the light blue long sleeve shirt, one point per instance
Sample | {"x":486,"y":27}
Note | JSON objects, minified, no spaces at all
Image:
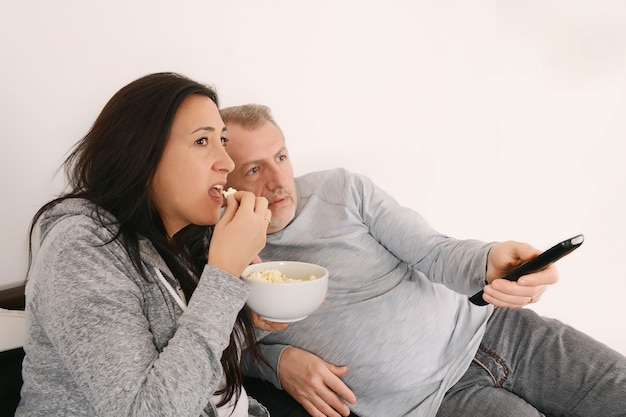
{"x":397,"y":312}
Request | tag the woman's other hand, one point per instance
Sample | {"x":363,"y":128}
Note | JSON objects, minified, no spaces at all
{"x":270,"y":326}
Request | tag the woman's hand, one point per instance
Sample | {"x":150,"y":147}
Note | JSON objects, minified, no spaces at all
{"x":270,"y":326}
{"x":240,"y":234}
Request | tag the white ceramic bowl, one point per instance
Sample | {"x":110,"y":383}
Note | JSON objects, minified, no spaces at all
{"x":287,"y":302}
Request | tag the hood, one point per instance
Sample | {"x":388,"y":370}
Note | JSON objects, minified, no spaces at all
{"x":68,"y":209}
{"x":105,"y":224}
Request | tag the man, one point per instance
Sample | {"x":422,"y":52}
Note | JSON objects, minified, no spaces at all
{"x":397,"y":335}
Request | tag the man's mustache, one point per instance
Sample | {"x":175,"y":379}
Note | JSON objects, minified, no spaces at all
{"x":278,"y":194}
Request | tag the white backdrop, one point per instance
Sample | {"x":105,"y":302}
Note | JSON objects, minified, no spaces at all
{"x":495,"y":119}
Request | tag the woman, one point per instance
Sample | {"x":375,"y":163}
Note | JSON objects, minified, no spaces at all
{"x":131,"y":312}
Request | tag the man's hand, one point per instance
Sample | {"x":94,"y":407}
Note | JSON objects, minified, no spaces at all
{"x":315,"y":383}
{"x":503,"y":258}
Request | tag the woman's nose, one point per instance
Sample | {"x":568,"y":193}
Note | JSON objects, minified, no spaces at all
{"x":225,"y":162}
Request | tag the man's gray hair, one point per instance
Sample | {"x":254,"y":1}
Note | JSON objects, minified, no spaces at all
{"x":248,"y":116}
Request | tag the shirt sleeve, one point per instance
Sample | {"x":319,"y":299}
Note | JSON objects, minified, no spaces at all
{"x":272,"y":353}
{"x":458,"y":264}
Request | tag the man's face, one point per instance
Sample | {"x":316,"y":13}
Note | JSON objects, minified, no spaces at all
{"x":262,"y":166}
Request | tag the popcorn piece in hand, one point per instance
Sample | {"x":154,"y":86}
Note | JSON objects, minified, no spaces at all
{"x":228,"y":192}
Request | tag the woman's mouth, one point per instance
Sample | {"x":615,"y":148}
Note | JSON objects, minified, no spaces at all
{"x":216,"y":192}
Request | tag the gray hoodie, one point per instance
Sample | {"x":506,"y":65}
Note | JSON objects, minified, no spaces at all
{"x":104,"y":341}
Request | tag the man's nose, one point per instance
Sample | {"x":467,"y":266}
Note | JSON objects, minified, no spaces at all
{"x":276,"y":177}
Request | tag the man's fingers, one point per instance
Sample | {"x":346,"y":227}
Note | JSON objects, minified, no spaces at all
{"x":329,"y":405}
{"x":339,"y":387}
{"x":522,"y":297}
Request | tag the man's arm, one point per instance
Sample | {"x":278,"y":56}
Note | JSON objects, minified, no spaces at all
{"x":462,"y":265}
{"x":265,"y":371}
{"x":458,"y":264}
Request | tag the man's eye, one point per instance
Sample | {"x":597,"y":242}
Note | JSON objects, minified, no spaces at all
{"x":224,"y":140}
{"x":281,"y":158}
{"x":202,"y":141}
{"x":253,"y":171}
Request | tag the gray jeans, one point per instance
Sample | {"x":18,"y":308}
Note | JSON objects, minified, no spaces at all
{"x":529,"y":365}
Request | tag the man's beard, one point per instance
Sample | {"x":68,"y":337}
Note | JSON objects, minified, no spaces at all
{"x":283,"y":218}
{"x":285,"y":215}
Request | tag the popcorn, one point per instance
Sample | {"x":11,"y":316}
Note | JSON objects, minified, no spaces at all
{"x":228,"y":192}
{"x":275,"y":276}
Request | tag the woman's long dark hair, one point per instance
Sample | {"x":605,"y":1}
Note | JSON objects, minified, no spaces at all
{"x":113,"y":167}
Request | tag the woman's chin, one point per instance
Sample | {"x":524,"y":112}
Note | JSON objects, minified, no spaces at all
{"x":211,"y":220}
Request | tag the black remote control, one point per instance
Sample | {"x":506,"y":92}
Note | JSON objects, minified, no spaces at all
{"x":538,"y":263}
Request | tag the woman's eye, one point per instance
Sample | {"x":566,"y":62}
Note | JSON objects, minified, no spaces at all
{"x":224,"y":140}
{"x":253,"y":171}
{"x":202,"y":141}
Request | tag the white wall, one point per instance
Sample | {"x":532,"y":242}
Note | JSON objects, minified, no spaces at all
{"x":495,"y":119}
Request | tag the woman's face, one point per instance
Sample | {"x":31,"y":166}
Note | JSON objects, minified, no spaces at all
{"x":187,"y":184}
